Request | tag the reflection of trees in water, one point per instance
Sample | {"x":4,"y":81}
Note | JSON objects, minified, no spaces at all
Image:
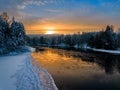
{"x":110,"y":63}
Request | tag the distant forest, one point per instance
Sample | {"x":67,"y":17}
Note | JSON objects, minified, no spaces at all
{"x":13,"y":37}
{"x":105,"y":39}
{"x":12,"y":34}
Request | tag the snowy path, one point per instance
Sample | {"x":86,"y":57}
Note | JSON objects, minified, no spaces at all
{"x":17,"y":73}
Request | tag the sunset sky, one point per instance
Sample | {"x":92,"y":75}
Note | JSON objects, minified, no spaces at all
{"x":63,"y":16}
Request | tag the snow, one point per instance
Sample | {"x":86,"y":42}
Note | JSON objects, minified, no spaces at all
{"x":105,"y":51}
{"x":18,"y":73}
{"x":30,"y":48}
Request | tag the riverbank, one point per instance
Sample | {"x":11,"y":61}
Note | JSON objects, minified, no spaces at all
{"x":115,"y":52}
{"x":18,"y":73}
{"x":84,"y":49}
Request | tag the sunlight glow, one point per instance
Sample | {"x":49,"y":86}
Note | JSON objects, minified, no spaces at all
{"x":50,"y":30}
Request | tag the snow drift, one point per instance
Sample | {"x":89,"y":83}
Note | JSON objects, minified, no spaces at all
{"x":18,"y":73}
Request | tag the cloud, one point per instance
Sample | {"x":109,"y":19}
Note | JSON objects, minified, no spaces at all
{"x":111,"y":4}
{"x":25,"y":3}
{"x":63,"y":12}
{"x":54,"y":11}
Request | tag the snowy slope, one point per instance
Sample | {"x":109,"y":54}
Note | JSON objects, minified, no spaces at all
{"x":17,"y":73}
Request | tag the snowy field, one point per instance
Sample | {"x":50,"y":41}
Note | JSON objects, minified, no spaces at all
{"x":17,"y":73}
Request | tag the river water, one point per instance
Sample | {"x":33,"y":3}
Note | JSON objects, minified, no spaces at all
{"x":74,"y":70}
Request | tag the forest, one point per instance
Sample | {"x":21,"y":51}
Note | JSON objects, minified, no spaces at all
{"x":105,"y":39}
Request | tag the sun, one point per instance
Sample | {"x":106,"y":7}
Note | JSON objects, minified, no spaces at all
{"x":50,"y":30}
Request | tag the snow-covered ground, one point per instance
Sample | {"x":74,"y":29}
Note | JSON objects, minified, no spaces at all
{"x":105,"y":51}
{"x":18,"y":73}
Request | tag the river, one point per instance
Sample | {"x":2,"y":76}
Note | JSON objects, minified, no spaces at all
{"x":73,"y":70}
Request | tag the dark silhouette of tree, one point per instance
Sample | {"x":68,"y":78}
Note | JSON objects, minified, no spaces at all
{"x":105,"y":39}
{"x":110,"y":38}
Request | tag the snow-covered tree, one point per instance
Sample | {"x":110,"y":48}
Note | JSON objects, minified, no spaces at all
{"x":1,"y":37}
{"x":12,"y":34}
{"x":16,"y":35}
{"x":4,"y":28}
{"x":105,"y":39}
{"x":1,"y":33}
{"x":110,"y":38}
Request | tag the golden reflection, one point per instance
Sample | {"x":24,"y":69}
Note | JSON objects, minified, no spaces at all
{"x":62,"y":66}
{"x":68,"y":69}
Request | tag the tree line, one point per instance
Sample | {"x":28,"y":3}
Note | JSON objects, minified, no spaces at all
{"x":12,"y":34}
{"x":105,"y":39}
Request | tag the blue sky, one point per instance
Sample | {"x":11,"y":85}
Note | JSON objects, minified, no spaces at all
{"x":84,"y":15}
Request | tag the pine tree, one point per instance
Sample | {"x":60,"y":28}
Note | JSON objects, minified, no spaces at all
{"x":12,"y":35}
{"x":110,"y":38}
{"x":1,"y":33}
{"x":4,"y":28}
{"x":16,"y":35}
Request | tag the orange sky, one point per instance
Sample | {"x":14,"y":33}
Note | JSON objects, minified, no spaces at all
{"x":61,"y":28}
{"x":64,"y":16}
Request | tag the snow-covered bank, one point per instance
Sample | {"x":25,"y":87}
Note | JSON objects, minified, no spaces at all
{"x":46,"y":80}
{"x":17,"y":73}
{"x":116,"y":52}
{"x":30,"y":48}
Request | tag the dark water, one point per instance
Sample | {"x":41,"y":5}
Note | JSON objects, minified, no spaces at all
{"x":80,"y":71}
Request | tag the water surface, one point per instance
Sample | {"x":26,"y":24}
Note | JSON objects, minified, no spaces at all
{"x":73,"y":70}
